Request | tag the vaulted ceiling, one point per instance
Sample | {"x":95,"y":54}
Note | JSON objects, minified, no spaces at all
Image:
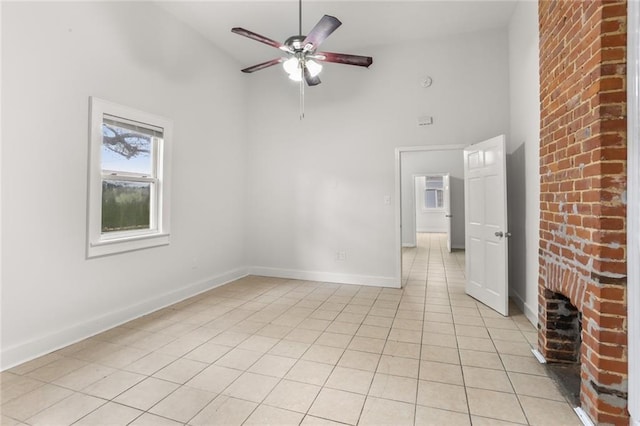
{"x":365,"y":23}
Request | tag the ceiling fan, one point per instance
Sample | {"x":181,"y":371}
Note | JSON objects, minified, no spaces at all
{"x":301,"y":62}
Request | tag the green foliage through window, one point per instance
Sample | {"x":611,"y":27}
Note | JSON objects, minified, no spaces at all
{"x":125,"y":206}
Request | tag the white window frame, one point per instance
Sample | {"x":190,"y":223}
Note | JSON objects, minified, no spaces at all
{"x":424,"y":195}
{"x":99,"y":243}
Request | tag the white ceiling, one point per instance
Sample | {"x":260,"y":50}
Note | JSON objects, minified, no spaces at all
{"x":364,"y":23}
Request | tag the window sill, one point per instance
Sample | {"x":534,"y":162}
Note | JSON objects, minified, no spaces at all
{"x":122,"y":245}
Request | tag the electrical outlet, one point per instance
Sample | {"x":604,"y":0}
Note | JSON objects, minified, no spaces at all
{"x":341,"y":256}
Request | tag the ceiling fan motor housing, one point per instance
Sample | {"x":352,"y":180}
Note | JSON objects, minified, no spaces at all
{"x":296,"y":43}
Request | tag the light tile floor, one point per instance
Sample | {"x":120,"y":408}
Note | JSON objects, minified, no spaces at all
{"x":276,"y":351}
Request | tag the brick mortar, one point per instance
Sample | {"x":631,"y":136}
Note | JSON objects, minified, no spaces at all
{"x":582,"y":250}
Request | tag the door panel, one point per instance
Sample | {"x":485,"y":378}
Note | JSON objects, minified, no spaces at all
{"x":486,"y":216}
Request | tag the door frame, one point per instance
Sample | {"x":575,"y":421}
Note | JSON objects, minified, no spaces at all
{"x":633,"y":207}
{"x":398,"y":195}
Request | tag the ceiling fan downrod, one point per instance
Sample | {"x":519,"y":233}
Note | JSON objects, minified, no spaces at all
{"x":299,"y":17}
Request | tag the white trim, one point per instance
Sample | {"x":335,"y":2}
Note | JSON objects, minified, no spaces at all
{"x":583,"y":416}
{"x":398,"y":197}
{"x":1,"y":240}
{"x":159,"y":232}
{"x":529,"y":312}
{"x":536,"y":353}
{"x":633,"y":206}
{"x":329,"y":277}
{"x":43,"y":345}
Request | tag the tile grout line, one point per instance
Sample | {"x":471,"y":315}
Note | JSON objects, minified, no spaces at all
{"x":464,"y":384}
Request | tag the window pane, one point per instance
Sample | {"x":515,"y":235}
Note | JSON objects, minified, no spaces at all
{"x":433,"y":199}
{"x":430,"y":199}
{"x":126,"y":206}
{"x":126,"y":150}
{"x":434,"y":182}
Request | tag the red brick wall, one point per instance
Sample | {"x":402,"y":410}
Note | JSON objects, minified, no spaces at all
{"x":582,"y":194}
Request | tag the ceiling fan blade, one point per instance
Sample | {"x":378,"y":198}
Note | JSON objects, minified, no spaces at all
{"x":311,"y":81}
{"x":343,"y":58}
{"x":257,"y":37}
{"x":321,"y":31}
{"x":263,"y":65}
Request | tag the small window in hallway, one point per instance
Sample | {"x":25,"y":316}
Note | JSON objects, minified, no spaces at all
{"x":433,"y":192}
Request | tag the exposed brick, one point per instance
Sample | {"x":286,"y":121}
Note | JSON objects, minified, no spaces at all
{"x":583,"y":176}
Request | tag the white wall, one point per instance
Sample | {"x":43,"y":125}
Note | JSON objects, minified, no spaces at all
{"x":433,"y":162}
{"x":427,"y":220}
{"x":317,"y":186}
{"x":54,"y":56}
{"x":523,"y":177}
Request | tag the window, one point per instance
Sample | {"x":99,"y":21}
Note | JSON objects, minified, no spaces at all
{"x":433,"y":192}
{"x":128,"y":179}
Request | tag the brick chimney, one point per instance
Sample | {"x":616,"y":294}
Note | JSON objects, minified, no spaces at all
{"x":582,"y":255}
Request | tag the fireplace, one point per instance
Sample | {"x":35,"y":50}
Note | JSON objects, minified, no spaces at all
{"x":560,"y":329}
{"x":560,"y":338}
{"x":582,"y":335}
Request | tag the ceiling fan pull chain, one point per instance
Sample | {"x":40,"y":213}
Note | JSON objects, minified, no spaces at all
{"x":301,"y":94}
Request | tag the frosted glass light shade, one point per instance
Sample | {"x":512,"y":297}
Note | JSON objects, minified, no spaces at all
{"x":291,"y":66}
{"x":313,"y":67}
{"x":296,"y":75}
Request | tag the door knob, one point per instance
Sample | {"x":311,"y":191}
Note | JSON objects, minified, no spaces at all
{"x":448,"y":215}
{"x":501,"y":234}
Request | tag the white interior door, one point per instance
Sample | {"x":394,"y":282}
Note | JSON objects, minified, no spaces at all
{"x":485,"y":195}
{"x":447,"y":207}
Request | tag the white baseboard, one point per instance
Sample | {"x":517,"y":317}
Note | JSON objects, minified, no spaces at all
{"x":43,"y":345}
{"x":583,"y":416}
{"x":531,"y":314}
{"x":410,"y":245}
{"x":431,"y":230}
{"x":541,"y":359}
{"x":330,"y":277}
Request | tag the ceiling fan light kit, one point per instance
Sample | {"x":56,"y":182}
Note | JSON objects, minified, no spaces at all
{"x":302,"y":59}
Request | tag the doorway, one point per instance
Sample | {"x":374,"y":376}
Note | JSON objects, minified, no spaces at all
{"x":432,"y":204}
{"x":435,"y":159}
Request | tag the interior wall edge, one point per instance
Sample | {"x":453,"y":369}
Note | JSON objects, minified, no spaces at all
{"x":528,"y":311}
{"x":31,"y":349}
{"x":633,"y":209}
